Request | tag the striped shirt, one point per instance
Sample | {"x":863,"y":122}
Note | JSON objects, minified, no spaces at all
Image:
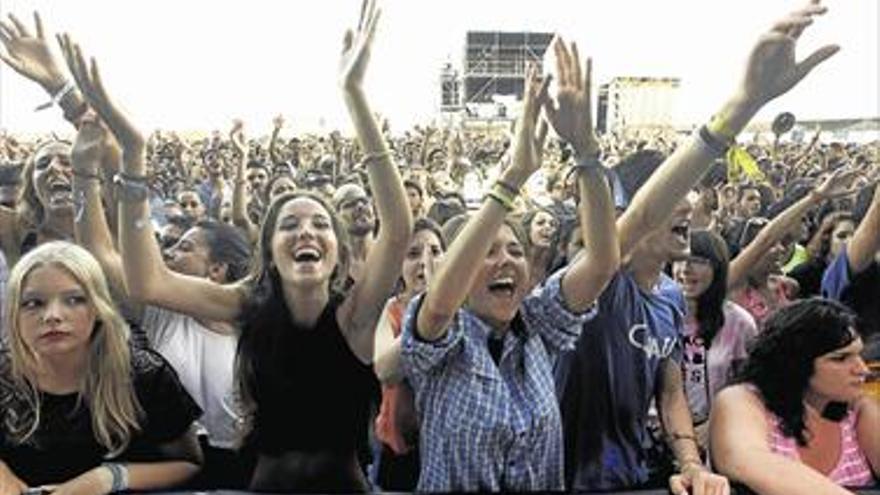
{"x":486,"y":427}
{"x":852,"y":469}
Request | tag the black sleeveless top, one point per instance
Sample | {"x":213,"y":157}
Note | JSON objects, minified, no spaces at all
{"x":312,"y":393}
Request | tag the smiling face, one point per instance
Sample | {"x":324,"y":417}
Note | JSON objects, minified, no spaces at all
{"x":503,"y":280}
{"x":694,"y":275}
{"x":542,"y":229}
{"x":53,"y":177}
{"x":304,"y":246}
{"x":839,"y":375}
{"x":55,"y":315}
{"x":422,"y":258}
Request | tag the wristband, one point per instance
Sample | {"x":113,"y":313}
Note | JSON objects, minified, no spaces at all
{"x":505,"y":202}
{"x":718,"y":126}
{"x":584,"y":164}
{"x":57,"y":97}
{"x":507,"y":187}
{"x":131,"y":191}
{"x":714,"y":144}
{"x":120,"y":476}
{"x":369,"y":157}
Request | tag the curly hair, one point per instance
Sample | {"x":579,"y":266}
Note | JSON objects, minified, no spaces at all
{"x":781,"y":360}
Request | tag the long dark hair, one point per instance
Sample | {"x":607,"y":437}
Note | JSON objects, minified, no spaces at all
{"x":265,"y":311}
{"x":555,"y":246}
{"x":780,"y":362}
{"x":710,"y":304}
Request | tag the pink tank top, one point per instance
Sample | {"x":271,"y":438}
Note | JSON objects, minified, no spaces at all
{"x":852,"y":469}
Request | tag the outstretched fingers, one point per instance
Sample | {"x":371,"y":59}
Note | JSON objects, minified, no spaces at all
{"x":20,"y":27}
{"x":816,"y":58}
{"x":38,"y":24}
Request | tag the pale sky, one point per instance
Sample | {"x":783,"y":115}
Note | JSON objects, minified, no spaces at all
{"x":191,"y":65}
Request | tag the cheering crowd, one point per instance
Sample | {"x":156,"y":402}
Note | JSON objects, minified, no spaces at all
{"x":322,"y":313}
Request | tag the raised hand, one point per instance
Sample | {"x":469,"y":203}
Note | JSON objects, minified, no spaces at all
{"x":28,"y":54}
{"x":356,"y":47}
{"x":526,"y":146}
{"x":772,"y":69}
{"x":571,"y":115}
{"x":89,"y":81}
{"x":236,"y":135}
{"x":278,"y":122}
{"x":839,"y":183}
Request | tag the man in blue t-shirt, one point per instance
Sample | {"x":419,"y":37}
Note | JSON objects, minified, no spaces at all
{"x":629,"y":355}
{"x":854,"y":277}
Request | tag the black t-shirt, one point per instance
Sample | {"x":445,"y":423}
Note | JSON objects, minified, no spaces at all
{"x":64,"y":445}
{"x":312,"y":392}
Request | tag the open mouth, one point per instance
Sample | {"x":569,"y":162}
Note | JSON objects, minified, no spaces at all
{"x":681,"y":231}
{"x":307,"y":255}
{"x":60,"y":192}
{"x":503,"y":287}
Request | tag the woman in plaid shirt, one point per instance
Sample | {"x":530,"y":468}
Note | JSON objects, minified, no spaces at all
{"x":478,"y":350}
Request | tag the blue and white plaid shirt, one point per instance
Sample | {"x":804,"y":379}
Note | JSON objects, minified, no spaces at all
{"x":488,"y":427}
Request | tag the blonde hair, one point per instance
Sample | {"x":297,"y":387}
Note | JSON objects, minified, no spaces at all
{"x":106,"y":387}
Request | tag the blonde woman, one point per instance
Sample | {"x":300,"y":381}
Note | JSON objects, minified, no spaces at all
{"x":79,"y":411}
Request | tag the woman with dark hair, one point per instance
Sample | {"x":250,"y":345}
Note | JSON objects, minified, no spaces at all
{"x":542,"y":230}
{"x":716,"y":331}
{"x":825,"y":244}
{"x":797,"y":421}
{"x":305,"y":348}
{"x":396,"y":425}
{"x":479,"y":346}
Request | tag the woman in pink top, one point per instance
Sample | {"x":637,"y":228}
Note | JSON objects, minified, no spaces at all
{"x":798,"y":421}
{"x":716,"y":331}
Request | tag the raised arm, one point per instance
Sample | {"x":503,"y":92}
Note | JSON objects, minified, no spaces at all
{"x":277,"y":124}
{"x":360,"y":312}
{"x":572,"y":120}
{"x":770,"y":72}
{"x":450,"y":286}
{"x":29,"y":55}
{"x":741,"y":266}
{"x":147,"y":278}
{"x":738,"y":429}
{"x":91,"y":229}
{"x":865,"y":243}
{"x":240,"y":216}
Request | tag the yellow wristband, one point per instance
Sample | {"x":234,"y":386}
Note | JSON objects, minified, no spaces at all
{"x":502,"y":200}
{"x":720,"y":127}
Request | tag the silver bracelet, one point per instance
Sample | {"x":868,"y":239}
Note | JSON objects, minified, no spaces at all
{"x":120,"y":476}
{"x":57,"y":97}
